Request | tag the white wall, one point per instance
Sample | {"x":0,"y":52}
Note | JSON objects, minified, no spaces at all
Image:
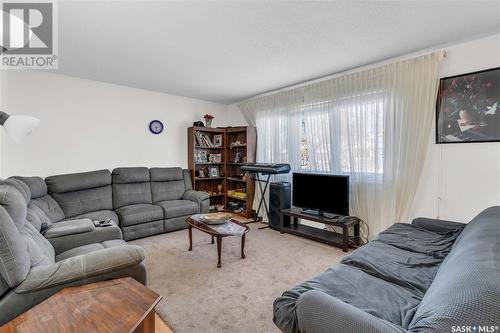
{"x":87,"y":125}
{"x":460,"y":180}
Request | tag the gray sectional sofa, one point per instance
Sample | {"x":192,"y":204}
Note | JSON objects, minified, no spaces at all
{"x":429,"y":276}
{"x":33,"y":267}
{"x":48,"y":240}
{"x":142,"y":201}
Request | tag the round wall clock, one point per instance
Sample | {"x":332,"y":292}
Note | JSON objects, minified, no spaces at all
{"x":156,"y":126}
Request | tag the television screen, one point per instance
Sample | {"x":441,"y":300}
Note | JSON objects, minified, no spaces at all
{"x":325,"y":193}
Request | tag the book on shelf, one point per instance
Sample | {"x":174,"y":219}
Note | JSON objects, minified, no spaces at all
{"x":203,"y":140}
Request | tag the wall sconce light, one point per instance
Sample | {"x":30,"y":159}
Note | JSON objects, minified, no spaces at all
{"x":18,"y":126}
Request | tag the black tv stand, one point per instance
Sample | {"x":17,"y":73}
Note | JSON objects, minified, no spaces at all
{"x":321,"y":213}
{"x":340,"y":240}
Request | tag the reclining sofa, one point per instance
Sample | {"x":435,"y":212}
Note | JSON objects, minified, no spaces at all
{"x":430,"y":276}
{"x":33,"y":267}
{"x":48,"y":239}
{"x":141,"y":201}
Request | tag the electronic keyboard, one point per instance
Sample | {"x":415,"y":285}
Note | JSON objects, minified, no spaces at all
{"x":267,"y":168}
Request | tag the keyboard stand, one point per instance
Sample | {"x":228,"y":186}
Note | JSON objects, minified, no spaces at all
{"x":262,"y":200}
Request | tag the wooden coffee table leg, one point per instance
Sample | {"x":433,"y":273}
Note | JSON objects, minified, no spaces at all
{"x":190,"y":231}
{"x":219,"y":249}
{"x":243,"y":246}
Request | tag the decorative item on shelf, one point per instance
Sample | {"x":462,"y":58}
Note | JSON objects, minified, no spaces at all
{"x":213,"y":172}
{"x":201,"y":156}
{"x":468,"y":107}
{"x":18,"y":126}
{"x":221,"y":173}
{"x":215,"y":158}
{"x":156,"y":126}
{"x":201,"y":173}
{"x":235,"y":144}
{"x":208,"y":119}
{"x":217,"y":140}
{"x":198,"y":124}
{"x":238,"y":156}
{"x":244,"y":160}
{"x":219,"y":188}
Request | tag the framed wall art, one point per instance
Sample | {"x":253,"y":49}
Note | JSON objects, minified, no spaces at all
{"x":468,"y":108}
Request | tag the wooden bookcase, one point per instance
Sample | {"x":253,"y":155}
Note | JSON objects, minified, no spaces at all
{"x":230,"y":188}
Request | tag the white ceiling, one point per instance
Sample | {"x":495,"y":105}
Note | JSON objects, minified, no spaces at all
{"x":227,"y":51}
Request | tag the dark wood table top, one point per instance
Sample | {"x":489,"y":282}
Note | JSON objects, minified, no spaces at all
{"x":195,"y":222}
{"x":118,"y":305}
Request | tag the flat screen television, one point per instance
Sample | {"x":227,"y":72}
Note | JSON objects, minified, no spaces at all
{"x":321,"y":193}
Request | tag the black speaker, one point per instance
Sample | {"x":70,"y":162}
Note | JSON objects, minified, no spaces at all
{"x":280,"y":194}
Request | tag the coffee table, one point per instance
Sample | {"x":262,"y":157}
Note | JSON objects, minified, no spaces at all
{"x":120,"y":305}
{"x":196,"y":221}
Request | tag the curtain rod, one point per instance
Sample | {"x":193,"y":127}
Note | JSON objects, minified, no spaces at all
{"x":349,"y":71}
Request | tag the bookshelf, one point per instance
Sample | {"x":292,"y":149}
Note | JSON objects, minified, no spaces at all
{"x":224,"y":149}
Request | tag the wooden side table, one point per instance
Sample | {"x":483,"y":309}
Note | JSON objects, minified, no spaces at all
{"x":120,"y":305}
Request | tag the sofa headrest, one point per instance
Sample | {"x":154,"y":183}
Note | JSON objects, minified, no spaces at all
{"x":130,"y":175}
{"x":14,"y":203}
{"x":36,"y":185}
{"x":20,"y":186}
{"x":78,"y":181}
{"x":165,"y":174}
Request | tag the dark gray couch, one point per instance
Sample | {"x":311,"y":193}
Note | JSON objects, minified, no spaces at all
{"x":430,"y":276}
{"x":32,"y":269}
{"x":142,"y":201}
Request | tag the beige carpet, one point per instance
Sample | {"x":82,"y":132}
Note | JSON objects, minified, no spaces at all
{"x":199,"y":297}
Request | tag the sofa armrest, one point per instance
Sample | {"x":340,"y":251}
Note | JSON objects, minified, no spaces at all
{"x":437,"y":226}
{"x":71,"y":227}
{"x":196,"y":196}
{"x":81,"y":267}
{"x":200,"y":197}
{"x":97,"y":235}
{"x":318,"y":312}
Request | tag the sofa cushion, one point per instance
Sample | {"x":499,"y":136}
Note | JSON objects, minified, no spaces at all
{"x":43,"y":210}
{"x":14,"y":259}
{"x":466,"y":289}
{"x":175,"y":208}
{"x":131,"y":186}
{"x":80,"y":193}
{"x":167,"y":184}
{"x":47,"y":209}
{"x":20,"y":186}
{"x":80,"y":250}
{"x":37,"y":185}
{"x":137,"y":214}
{"x":78,"y":181}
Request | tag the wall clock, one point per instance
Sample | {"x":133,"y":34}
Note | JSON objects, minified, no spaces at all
{"x":156,"y":126}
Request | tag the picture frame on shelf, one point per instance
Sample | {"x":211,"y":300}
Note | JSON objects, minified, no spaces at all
{"x":213,"y":172}
{"x":201,"y":156}
{"x":217,"y":140}
{"x":201,"y":173}
{"x":215,"y":158}
{"x":468,"y":107}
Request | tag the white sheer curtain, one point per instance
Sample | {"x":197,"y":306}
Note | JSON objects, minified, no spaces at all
{"x":372,"y":125}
